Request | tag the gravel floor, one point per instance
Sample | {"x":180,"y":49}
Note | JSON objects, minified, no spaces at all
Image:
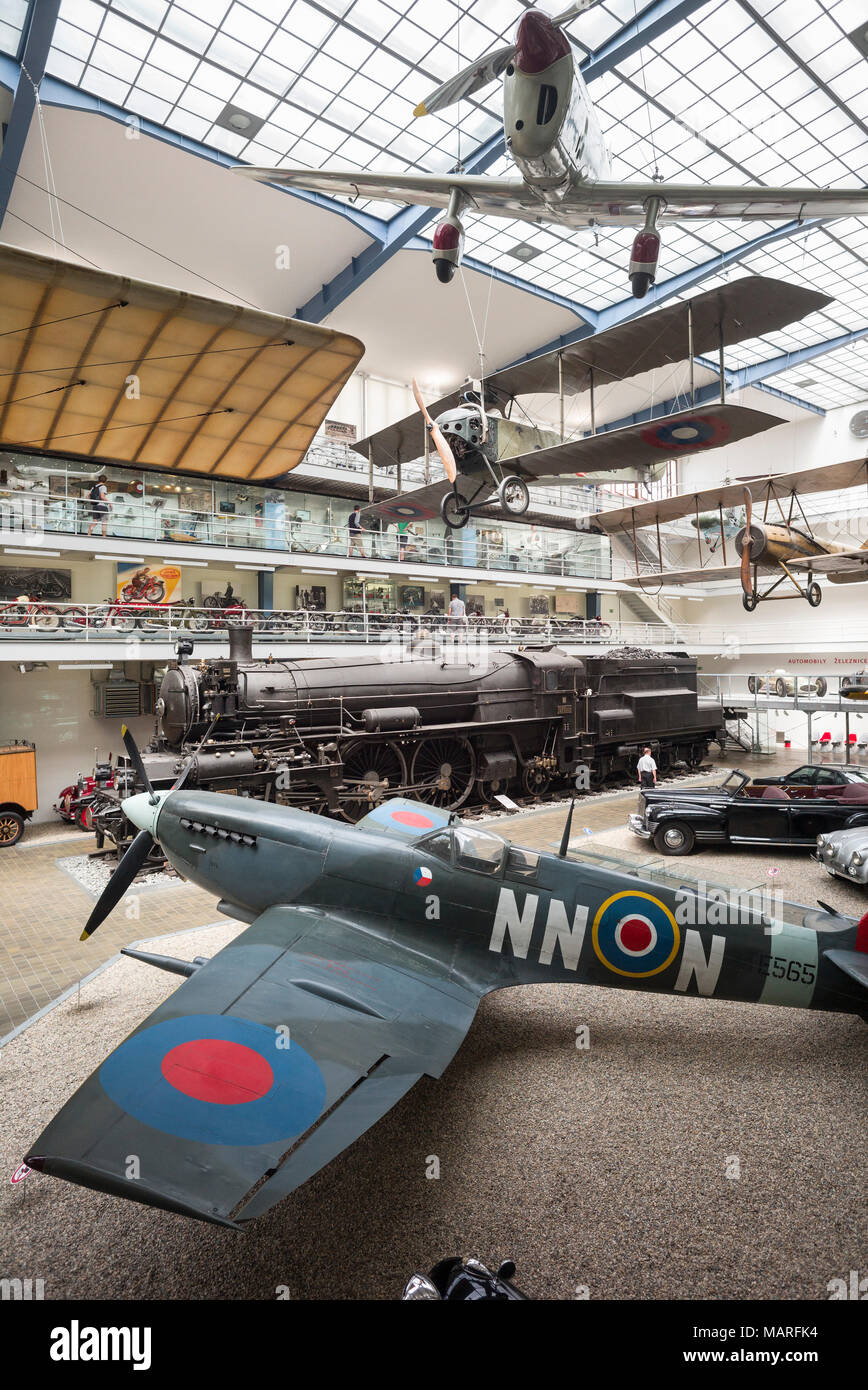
{"x":94,"y":874}
{"x":604,"y":1168}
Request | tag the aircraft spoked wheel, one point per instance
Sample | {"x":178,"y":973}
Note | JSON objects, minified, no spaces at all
{"x":372,"y":771}
{"x":443,"y":772}
{"x":750,"y":601}
{"x":514,"y":496}
{"x":675,"y":838}
{"x":535,"y":780}
{"x":640,"y":282}
{"x":814,"y":595}
{"x":454,"y":512}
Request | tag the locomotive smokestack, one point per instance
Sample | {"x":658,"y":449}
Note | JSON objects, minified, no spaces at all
{"x":241,"y":642}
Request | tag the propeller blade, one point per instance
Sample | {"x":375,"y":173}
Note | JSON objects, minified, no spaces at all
{"x":119,"y":881}
{"x":746,"y":584}
{"x":135,"y":758}
{"x":471,"y":79}
{"x":578,"y":8}
{"x":447,"y":458}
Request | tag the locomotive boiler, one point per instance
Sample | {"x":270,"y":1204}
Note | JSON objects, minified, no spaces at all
{"x":337,"y":734}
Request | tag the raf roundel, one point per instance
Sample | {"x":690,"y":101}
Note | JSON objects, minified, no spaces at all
{"x":698,"y":432}
{"x":634,"y":934}
{"x":215,"y":1080}
{"x":422,"y":876}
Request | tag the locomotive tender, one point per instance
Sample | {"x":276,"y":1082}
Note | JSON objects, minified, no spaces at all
{"x":337,"y":734}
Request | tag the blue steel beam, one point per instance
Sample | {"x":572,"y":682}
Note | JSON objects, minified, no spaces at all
{"x":761,"y":371}
{"x":654,"y":20}
{"x":41,"y":22}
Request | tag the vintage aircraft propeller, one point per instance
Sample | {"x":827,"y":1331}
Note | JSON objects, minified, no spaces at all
{"x":447,"y":458}
{"x":490,"y":66}
{"x":746,"y":583}
{"x":143,"y":843}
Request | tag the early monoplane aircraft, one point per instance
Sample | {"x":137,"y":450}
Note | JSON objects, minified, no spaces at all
{"x":368,"y":950}
{"x":554,"y":137}
{"x":782,"y":544}
{"x":489,"y":457}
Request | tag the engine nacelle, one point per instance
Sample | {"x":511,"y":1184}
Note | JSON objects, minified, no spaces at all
{"x":448,"y":247}
{"x":643,"y":261}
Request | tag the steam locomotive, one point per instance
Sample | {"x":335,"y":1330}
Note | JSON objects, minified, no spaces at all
{"x":336,"y":735}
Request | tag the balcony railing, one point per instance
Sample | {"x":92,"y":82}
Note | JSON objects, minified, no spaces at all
{"x":532,"y":553}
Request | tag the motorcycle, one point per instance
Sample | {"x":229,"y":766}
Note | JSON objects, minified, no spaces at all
{"x":75,"y":802}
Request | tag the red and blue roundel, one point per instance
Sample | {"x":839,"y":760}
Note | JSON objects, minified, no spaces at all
{"x":406,"y":511}
{"x":635,"y":935}
{"x":694,"y":432}
{"x":422,"y":876}
{"x":216,"y":1080}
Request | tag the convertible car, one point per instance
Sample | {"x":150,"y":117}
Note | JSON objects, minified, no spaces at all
{"x":740,"y":812}
{"x":855,"y":687}
{"x":816,"y":779}
{"x":780,"y":684}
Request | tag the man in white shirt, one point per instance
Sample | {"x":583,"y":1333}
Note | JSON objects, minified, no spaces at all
{"x":456,"y":614}
{"x":647,"y":769}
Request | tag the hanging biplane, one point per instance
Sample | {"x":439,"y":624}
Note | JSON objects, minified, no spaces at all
{"x":782,"y":542}
{"x":489,"y":458}
{"x":553,"y":135}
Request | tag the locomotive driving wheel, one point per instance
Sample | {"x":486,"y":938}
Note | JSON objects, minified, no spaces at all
{"x":443,"y":771}
{"x":535,"y":779}
{"x":494,"y":787}
{"x":371,"y":772}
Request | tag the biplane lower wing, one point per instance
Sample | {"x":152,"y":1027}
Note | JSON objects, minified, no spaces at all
{"x":694,"y":576}
{"x":672,"y":436}
{"x":841,"y":566}
{"x":259,"y":1069}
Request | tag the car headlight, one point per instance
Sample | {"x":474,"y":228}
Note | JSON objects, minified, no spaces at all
{"x":820,"y":841}
{"x":829,"y":851}
{"x":856,"y":859}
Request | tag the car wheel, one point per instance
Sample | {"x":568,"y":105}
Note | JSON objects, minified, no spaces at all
{"x":780,"y":687}
{"x":751,"y":684}
{"x":822,"y":686}
{"x":674,"y":838}
{"x":11,"y":828}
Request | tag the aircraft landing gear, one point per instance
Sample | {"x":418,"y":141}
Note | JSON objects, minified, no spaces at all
{"x":814,"y":595}
{"x":750,"y":601}
{"x":514,"y":496}
{"x":454,"y":510}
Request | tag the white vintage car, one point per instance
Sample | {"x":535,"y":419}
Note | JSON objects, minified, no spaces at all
{"x":780,"y":683}
{"x":844,"y":853}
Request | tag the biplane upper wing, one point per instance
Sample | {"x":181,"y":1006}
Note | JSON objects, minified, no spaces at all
{"x":265,"y":1064}
{"x":671,"y":436}
{"x":829,"y":478}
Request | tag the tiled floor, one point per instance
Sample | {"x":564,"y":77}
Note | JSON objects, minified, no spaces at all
{"x":42,"y":912}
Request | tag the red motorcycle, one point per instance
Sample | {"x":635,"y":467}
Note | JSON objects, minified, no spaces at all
{"x":75,"y":802}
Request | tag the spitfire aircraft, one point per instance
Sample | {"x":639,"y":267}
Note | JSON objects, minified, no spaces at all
{"x":553,"y":135}
{"x":489,"y":457}
{"x":368,"y":950}
{"x":782,"y":543}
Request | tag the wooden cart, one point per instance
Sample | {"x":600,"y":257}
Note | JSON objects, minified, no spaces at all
{"x":18,"y":799}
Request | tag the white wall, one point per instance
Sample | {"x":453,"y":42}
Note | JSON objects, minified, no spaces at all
{"x":52,"y":709}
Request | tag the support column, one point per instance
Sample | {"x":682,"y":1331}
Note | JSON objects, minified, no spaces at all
{"x":264,"y":590}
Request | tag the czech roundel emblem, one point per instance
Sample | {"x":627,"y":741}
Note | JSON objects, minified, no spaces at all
{"x":635,"y":935}
{"x":216,"y":1080}
{"x":697,"y":432}
{"x":422,"y":876}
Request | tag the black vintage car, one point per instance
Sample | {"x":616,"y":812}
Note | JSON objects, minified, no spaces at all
{"x":740,"y":812}
{"x":816,"y":779}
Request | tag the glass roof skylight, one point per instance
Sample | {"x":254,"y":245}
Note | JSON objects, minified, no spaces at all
{"x":768,"y":91}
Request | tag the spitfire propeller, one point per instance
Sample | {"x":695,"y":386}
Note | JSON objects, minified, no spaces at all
{"x":484,"y":70}
{"x":447,"y":458}
{"x":142,"y":845}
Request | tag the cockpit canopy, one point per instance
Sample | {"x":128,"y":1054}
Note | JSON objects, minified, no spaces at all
{"x":469,"y":847}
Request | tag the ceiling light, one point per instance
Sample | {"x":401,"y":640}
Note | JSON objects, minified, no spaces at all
{"x":123,"y":559}
{"x":200,"y":564}
{"x":374,"y":576}
{"x":258,"y":569}
{"x":318,"y":571}
{"x":240,"y":122}
{"x":40,"y":554}
{"x":524,"y":251}
{"x":85,"y":666}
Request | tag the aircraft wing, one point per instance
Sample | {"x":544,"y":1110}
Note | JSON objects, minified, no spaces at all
{"x":609,"y":204}
{"x":827,"y":478}
{"x":422,"y":504}
{"x":694,"y":576}
{"x":259,"y":1069}
{"x":671,"y":436}
{"x":853,"y":563}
